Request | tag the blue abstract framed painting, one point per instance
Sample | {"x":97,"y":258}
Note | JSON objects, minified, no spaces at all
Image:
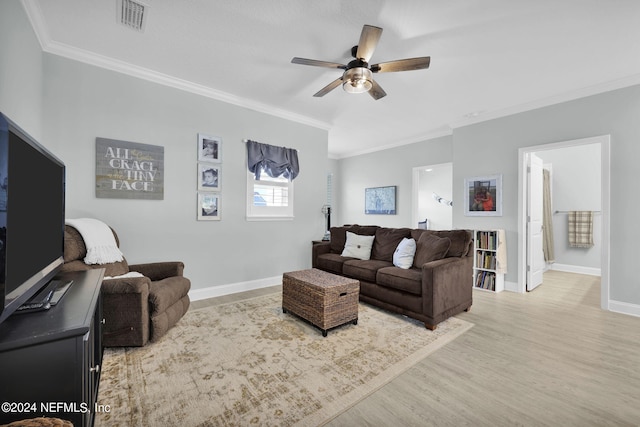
{"x":380,"y":200}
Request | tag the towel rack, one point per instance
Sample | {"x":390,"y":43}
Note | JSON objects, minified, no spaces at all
{"x":566,"y":212}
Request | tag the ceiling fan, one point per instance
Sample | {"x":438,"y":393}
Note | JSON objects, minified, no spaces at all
{"x":358,"y":74}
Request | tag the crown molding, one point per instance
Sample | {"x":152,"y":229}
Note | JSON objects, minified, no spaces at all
{"x":37,"y":21}
{"x":399,"y":143}
{"x":504,"y":112}
{"x":38,"y":24}
{"x":60,"y":49}
{"x":546,"y":102}
{"x":112,"y":64}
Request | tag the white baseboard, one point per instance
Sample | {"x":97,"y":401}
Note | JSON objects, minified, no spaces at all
{"x":624,"y":308}
{"x":591,"y":271}
{"x":232,"y":288}
{"x":511,"y":286}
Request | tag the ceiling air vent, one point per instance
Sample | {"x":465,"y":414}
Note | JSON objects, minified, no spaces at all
{"x":132,"y":14}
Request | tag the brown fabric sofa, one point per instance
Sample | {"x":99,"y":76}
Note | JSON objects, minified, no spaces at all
{"x":435,"y":287}
{"x":136,"y":309}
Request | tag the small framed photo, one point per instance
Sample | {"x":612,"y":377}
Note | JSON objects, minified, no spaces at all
{"x":483,"y":196}
{"x":380,"y":200}
{"x":209,"y":176}
{"x":209,"y":148}
{"x":208,"y":206}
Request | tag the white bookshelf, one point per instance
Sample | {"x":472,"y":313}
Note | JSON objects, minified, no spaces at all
{"x":485,"y":272}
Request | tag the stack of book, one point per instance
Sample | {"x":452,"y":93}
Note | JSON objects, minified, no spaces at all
{"x":486,"y":280}
{"x":487,"y":240}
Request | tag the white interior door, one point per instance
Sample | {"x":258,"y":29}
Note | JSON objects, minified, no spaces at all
{"x":535,"y":255}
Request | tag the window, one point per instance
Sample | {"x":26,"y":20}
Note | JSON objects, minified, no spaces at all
{"x":269,"y":198}
{"x":271,"y":171}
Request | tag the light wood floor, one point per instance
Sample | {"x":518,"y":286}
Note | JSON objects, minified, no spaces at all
{"x":550,"y":357}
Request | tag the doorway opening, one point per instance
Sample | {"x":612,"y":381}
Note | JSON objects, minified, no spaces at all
{"x":524,"y":221}
{"x":432,"y":197}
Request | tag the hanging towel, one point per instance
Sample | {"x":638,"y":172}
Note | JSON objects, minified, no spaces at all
{"x":99,"y":240}
{"x":580,"y":229}
{"x":501,"y":253}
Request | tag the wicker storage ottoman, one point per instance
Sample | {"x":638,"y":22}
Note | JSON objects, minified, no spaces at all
{"x":324,"y":299}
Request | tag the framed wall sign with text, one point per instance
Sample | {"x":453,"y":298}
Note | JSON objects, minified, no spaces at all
{"x":129,"y":170}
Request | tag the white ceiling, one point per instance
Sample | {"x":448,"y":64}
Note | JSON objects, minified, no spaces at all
{"x":488,"y":58}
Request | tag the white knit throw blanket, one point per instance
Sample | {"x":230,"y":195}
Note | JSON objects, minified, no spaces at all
{"x":99,"y":240}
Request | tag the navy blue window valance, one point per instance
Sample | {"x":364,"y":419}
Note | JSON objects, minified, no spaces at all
{"x":275,"y":161}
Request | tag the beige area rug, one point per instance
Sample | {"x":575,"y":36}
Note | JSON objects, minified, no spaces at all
{"x":247,"y":363}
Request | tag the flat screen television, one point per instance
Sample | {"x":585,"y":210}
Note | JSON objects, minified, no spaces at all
{"x":32,"y":204}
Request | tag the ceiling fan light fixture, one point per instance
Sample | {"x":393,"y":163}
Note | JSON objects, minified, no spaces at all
{"x":357,"y":77}
{"x":357,"y":80}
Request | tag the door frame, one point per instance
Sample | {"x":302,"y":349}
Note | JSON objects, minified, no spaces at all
{"x":605,"y":158}
{"x":415,"y":191}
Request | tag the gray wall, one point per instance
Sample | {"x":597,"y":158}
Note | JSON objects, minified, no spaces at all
{"x":384,"y":168}
{"x":78,"y":109}
{"x":66,"y":105}
{"x":576,"y":175}
{"x":20,"y":69}
{"x":492,"y":147}
{"x":83,"y":102}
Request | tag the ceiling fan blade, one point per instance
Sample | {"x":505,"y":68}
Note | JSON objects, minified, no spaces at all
{"x":402,"y":65}
{"x":316,"y":63}
{"x":376,"y":91}
{"x":368,"y":42}
{"x":328,"y":88}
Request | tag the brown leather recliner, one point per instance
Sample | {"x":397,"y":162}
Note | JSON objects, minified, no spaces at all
{"x":136,"y":309}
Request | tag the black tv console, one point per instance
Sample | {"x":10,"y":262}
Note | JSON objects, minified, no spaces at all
{"x":50,"y":360}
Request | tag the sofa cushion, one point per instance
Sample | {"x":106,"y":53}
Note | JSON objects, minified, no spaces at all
{"x":166,"y":292}
{"x":386,"y":242}
{"x":339,"y":235}
{"x":429,"y":248}
{"x":403,"y":256}
{"x":338,"y":239}
{"x":406,"y":280}
{"x":331,"y":262}
{"x":358,"y":246}
{"x":74,"y":248}
{"x":364,"y":269}
{"x":460,"y":240}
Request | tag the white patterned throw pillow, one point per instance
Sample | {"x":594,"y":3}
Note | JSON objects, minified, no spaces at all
{"x":403,"y":256}
{"x":358,"y":246}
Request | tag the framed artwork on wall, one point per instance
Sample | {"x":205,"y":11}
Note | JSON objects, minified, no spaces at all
{"x":209,"y":177}
{"x":209,"y":148}
{"x":483,"y":196}
{"x":380,"y":200}
{"x":129,"y":170}
{"x":208,"y":206}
